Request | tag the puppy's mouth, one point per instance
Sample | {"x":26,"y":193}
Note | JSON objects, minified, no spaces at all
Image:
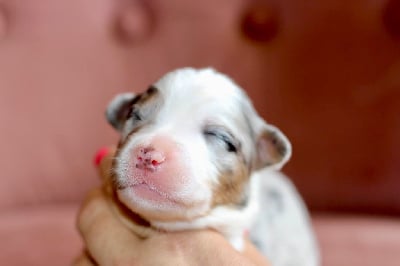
{"x":149,"y":192}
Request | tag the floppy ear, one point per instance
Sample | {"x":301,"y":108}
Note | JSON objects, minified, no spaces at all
{"x":273,"y":148}
{"x":118,"y":109}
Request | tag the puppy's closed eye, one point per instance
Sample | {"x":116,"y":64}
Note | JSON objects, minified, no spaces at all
{"x":220,"y":135}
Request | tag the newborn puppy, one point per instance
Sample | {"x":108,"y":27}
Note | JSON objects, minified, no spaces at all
{"x":194,"y":154}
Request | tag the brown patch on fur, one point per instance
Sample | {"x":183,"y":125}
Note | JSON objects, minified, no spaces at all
{"x":150,"y":95}
{"x":231,"y":189}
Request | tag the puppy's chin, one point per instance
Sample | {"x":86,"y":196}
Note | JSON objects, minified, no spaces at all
{"x":155,"y":206}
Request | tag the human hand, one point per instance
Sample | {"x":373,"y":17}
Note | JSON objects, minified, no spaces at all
{"x":109,"y":242}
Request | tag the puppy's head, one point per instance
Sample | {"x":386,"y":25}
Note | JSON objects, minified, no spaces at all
{"x":189,"y":144}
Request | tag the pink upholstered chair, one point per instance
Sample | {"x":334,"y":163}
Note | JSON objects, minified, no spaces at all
{"x":328,"y":73}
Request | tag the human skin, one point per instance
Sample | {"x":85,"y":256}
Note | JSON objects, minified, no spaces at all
{"x":109,"y":242}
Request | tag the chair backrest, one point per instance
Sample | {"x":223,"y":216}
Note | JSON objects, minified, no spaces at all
{"x":328,"y":78}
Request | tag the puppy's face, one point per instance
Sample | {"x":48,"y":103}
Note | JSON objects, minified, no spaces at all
{"x":189,"y":144}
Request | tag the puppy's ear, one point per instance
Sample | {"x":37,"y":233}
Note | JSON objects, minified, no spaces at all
{"x":273,"y":148}
{"x":118,"y":109}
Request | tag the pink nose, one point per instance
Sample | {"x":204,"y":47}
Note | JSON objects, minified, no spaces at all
{"x":148,"y":158}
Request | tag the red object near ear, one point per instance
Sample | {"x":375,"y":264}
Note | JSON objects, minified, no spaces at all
{"x":101,"y":153}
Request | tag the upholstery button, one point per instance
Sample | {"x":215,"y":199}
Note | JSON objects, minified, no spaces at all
{"x":134,"y":23}
{"x":3,"y":22}
{"x":260,"y":22}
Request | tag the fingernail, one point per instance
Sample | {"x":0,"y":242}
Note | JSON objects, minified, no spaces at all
{"x":101,"y":153}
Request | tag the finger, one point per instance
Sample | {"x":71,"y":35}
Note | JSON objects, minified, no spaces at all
{"x":106,"y":238}
{"x":103,"y":161}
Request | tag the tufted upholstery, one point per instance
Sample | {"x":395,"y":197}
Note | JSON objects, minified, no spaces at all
{"x":327,"y":73}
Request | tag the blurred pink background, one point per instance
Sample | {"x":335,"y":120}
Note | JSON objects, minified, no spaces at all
{"x":326,"y":72}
